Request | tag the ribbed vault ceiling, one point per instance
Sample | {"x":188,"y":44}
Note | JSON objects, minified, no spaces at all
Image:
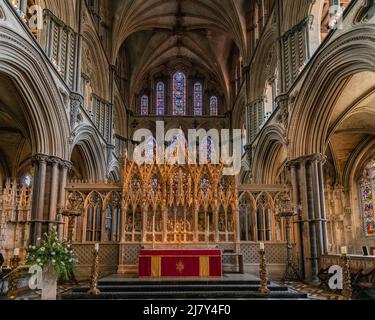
{"x":203,"y":32}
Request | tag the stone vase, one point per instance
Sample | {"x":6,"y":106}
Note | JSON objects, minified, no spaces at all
{"x":49,"y":291}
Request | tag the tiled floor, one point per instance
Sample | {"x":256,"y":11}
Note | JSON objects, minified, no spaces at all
{"x":315,"y":293}
{"x":36,"y":295}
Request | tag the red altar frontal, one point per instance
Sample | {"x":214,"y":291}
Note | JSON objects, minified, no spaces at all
{"x":180,"y":263}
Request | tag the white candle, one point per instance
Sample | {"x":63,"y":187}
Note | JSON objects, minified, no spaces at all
{"x":16,"y":252}
{"x":262,"y":246}
{"x":344,"y":250}
{"x":97,"y":247}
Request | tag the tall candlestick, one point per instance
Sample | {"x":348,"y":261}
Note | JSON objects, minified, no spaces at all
{"x":97,"y":247}
{"x":262,"y":246}
{"x":344,"y":250}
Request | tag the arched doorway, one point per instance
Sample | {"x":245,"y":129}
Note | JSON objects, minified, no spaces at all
{"x":80,"y":170}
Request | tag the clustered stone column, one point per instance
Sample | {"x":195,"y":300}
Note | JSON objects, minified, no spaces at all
{"x":48,"y":194}
{"x":308,"y":195}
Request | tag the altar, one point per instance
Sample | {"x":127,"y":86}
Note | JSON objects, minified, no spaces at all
{"x":194,"y":263}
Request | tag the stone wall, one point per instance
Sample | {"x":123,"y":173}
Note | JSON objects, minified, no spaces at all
{"x":276,"y":258}
{"x":356,"y":262}
{"x":108,"y":259}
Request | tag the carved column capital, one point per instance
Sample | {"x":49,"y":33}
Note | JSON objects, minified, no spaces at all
{"x":318,"y":157}
{"x":40,"y":158}
{"x":55,"y":161}
{"x":66,"y":164}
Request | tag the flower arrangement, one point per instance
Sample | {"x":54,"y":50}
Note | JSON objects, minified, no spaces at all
{"x":54,"y":254}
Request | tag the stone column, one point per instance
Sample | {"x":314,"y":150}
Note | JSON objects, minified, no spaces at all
{"x":254,"y":213}
{"x":308,"y":193}
{"x":237,"y":226}
{"x":246,"y":222}
{"x":124,"y":212}
{"x":296,"y":204}
{"x":65,"y":167}
{"x":48,"y":194}
{"x":317,"y":203}
{"x":38,"y":203}
{"x":248,"y":124}
{"x":112,"y":235}
{"x":323,"y":207}
{"x":55,"y":162}
{"x":312,"y":225}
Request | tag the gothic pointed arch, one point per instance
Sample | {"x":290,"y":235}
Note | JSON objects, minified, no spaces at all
{"x":92,"y":151}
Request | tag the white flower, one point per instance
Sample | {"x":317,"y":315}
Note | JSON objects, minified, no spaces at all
{"x":53,"y":261}
{"x":39,"y":239}
{"x":43,"y":249}
{"x":38,"y":260}
{"x":53,"y":253}
{"x":33,"y":247}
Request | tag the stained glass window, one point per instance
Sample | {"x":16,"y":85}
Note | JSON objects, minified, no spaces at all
{"x":198,"y":101}
{"x":368,"y":201}
{"x":26,"y":181}
{"x":160,"y":99}
{"x":179,"y":93}
{"x":214,"y":106}
{"x":144,"y":105}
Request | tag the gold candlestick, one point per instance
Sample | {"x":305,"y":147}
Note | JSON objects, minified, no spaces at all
{"x":13,"y":285}
{"x":94,"y":275}
{"x":347,"y":290}
{"x":263,"y":273}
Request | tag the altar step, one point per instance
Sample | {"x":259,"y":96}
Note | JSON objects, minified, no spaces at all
{"x":181,"y":290}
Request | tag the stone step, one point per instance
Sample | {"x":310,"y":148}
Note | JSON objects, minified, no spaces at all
{"x":182,"y":289}
{"x":174,"y":288}
{"x":186,"y":295}
{"x":169,"y":282}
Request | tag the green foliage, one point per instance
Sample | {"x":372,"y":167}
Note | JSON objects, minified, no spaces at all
{"x":53,"y":252}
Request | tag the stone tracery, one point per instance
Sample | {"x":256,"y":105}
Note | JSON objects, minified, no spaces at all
{"x":178,"y":204}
